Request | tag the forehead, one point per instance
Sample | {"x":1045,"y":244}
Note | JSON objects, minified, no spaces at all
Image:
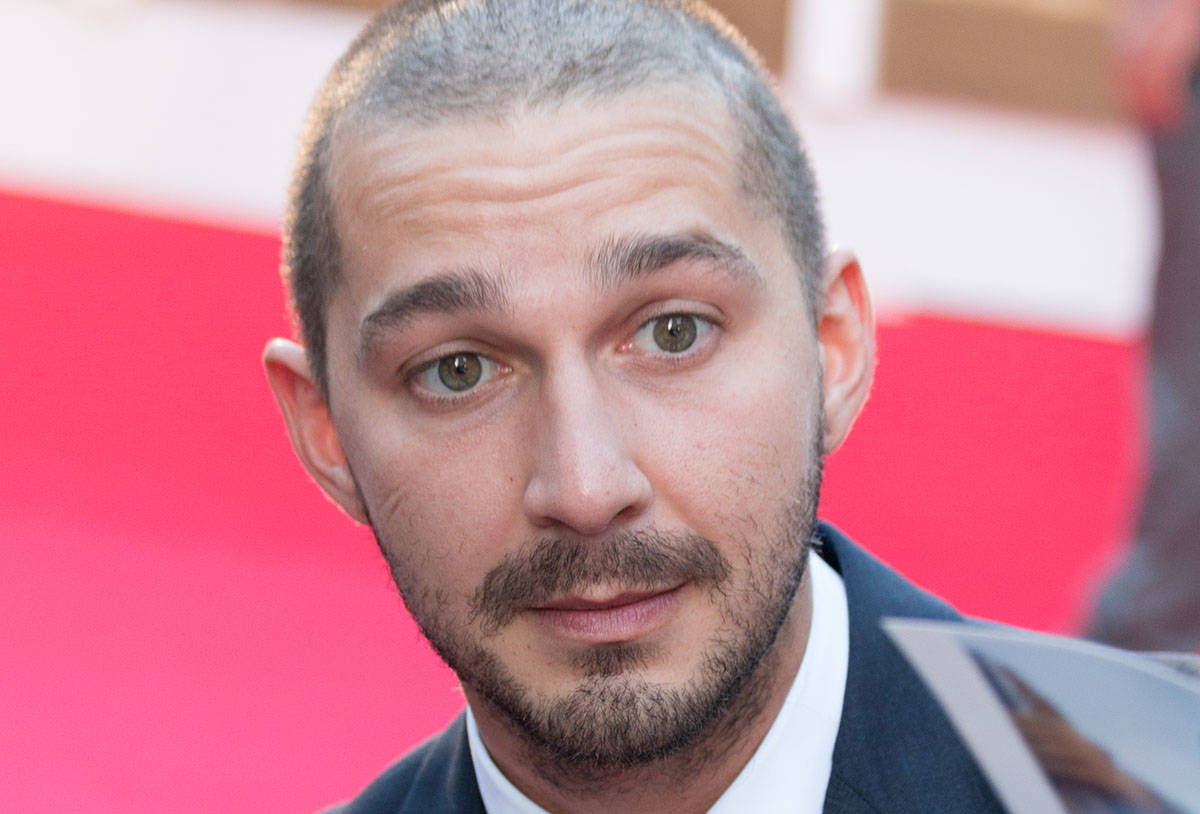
{"x":547,"y":184}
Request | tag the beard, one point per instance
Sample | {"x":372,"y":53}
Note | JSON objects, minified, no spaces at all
{"x":615,"y":720}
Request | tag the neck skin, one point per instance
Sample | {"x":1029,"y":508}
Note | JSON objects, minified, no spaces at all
{"x":692,"y":780}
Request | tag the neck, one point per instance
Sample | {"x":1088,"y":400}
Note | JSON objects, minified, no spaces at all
{"x":692,"y":779}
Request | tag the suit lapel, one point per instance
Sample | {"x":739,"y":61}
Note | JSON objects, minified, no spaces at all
{"x":895,"y":750}
{"x":445,"y":780}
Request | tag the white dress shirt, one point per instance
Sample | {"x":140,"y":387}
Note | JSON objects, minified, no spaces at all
{"x":790,"y":769}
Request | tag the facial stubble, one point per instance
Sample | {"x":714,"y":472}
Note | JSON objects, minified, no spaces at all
{"x":614,"y":719}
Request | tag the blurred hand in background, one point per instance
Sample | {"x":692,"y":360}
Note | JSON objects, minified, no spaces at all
{"x":1157,"y":46}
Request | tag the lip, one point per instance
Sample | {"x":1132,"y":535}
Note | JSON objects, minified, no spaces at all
{"x":621,"y":617}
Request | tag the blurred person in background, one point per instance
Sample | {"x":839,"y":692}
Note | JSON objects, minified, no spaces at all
{"x":1152,"y":602}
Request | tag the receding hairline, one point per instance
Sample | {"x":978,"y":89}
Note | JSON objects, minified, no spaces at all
{"x":380,"y":132}
{"x":382,"y":139}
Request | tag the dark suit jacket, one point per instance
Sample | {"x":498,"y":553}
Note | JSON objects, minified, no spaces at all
{"x":895,"y":750}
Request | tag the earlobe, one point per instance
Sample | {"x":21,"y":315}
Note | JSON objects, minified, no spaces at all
{"x":846,"y":332}
{"x":309,"y":424}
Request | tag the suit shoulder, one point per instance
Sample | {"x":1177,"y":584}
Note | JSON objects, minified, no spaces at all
{"x":874,"y":589}
{"x":437,"y":775}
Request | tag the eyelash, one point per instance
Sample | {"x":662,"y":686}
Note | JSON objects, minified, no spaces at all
{"x":491,"y":370}
{"x":705,"y":325}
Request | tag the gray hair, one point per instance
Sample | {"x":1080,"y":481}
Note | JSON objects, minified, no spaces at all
{"x":428,"y":62}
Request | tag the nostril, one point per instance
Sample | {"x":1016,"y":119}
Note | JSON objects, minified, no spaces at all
{"x":586,"y":509}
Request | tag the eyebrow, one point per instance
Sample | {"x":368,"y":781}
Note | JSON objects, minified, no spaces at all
{"x":616,"y":262}
{"x":445,"y":293}
{"x":622,"y":260}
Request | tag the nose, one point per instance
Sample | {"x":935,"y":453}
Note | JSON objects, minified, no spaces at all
{"x":584,"y":477}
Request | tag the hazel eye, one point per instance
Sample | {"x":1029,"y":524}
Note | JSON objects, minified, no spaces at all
{"x":675,"y":334}
{"x":671,"y":333}
{"x":456,"y":373}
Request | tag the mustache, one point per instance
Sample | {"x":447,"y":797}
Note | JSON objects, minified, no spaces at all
{"x":550,"y":568}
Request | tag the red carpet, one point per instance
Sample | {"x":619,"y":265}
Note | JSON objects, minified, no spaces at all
{"x":188,"y":626}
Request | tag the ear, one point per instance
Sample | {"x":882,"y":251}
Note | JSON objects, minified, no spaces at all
{"x":846,"y":332}
{"x":306,"y":414}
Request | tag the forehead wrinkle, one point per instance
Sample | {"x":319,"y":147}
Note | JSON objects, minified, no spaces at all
{"x":391,"y":167}
{"x":449,"y":292}
{"x":416,"y":195}
{"x":623,"y":259}
{"x":444,"y":216}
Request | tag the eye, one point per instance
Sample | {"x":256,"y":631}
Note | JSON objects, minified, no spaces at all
{"x":671,"y":333}
{"x":455,"y":373}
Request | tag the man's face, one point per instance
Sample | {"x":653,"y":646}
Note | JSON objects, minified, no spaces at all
{"x":573,"y":373}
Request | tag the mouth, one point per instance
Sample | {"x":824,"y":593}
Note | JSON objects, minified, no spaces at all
{"x":615,"y":618}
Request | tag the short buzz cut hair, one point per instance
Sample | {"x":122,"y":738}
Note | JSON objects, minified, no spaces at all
{"x":430,"y":62}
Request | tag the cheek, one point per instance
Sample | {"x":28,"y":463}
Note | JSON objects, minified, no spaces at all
{"x":733,"y":456}
{"x":442,"y":506}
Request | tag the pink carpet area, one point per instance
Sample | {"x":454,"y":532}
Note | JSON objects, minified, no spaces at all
{"x":186,"y":625}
